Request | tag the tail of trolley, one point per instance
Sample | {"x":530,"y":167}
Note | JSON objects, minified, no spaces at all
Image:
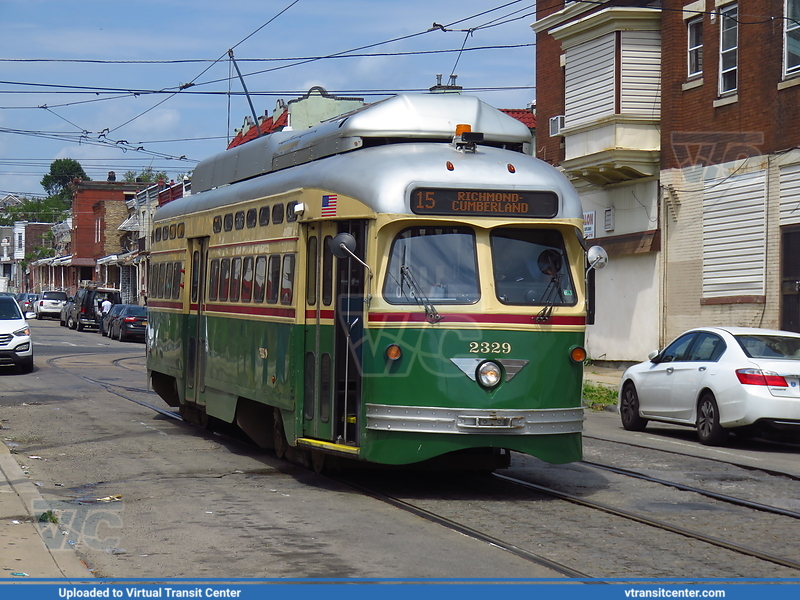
{"x":384,"y":287}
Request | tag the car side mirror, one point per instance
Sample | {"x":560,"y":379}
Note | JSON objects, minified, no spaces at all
{"x":653,"y":356}
{"x":30,"y":315}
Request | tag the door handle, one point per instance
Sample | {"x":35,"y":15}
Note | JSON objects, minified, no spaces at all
{"x":670,"y":370}
{"x":701,"y":368}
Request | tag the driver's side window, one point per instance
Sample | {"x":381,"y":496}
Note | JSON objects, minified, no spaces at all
{"x":678,"y":349}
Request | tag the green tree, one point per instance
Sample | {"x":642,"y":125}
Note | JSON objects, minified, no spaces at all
{"x":47,"y":210}
{"x":62,"y":172}
{"x":146,"y":176}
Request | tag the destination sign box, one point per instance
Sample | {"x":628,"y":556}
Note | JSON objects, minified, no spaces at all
{"x":484,"y":203}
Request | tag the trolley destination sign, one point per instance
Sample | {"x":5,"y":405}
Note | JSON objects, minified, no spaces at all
{"x":484,"y":203}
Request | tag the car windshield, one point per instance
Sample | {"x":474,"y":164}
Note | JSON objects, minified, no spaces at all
{"x":138,"y":311}
{"x":437,"y":262}
{"x":770,"y":346}
{"x":9,"y":310}
{"x":54,"y":295}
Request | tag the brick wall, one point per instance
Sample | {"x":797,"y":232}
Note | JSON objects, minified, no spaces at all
{"x":763,"y":119}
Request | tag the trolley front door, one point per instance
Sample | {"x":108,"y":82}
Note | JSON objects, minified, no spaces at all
{"x":334,"y":330}
{"x":195,"y":326}
{"x":319,"y":336}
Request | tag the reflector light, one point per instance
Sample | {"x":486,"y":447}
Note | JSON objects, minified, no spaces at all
{"x":393,"y":352}
{"x":463,"y":128}
{"x":450,"y":166}
{"x":511,"y":168}
{"x":759,"y":377}
{"x":577,"y":354}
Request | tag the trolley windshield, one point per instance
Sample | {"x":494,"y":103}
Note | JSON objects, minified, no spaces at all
{"x":531,"y":267}
{"x":434,"y":263}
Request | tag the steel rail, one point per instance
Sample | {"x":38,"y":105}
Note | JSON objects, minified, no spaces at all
{"x":778,"y":560}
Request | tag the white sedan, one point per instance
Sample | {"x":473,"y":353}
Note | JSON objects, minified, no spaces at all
{"x":717,"y":379}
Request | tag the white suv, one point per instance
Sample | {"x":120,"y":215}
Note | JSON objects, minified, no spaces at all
{"x":16,"y":347}
{"x":50,"y":304}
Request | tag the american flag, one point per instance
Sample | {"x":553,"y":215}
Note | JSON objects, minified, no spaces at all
{"x":329,"y":205}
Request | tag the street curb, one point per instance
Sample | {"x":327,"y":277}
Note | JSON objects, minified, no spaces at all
{"x":66,"y":561}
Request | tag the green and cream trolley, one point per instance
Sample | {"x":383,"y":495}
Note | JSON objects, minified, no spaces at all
{"x":402,"y":283}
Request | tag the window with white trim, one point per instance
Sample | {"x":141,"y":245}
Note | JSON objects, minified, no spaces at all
{"x":694,"y":30}
{"x":728,"y":48}
{"x":791,"y":42}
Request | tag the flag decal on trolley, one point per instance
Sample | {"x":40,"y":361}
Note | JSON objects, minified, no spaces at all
{"x":329,"y":205}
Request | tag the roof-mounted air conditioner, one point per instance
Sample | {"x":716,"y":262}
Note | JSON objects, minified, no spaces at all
{"x":556,"y":125}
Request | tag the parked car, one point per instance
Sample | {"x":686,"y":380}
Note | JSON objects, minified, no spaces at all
{"x":717,"y":379}
{"x":49,"y":304}
{"x":12,"y":294}
{"x":16,"y":347}
{"x":110,"y":316}
{"x":26,"y":301}
{"x":130,"y":323}
{"x":64,"y":314}
{"x":85,"y":308}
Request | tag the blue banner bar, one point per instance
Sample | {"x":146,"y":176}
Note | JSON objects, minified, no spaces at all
{"x":355,"y":589}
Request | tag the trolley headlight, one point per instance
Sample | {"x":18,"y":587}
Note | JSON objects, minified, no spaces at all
{"x":489,"y":374}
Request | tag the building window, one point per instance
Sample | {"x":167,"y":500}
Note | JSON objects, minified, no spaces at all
{"x":728,"y":48}
{"x":695,"y":47}
{"x":792,"y":39}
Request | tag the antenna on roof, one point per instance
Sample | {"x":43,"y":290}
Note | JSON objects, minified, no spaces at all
{"x":246,"y":93}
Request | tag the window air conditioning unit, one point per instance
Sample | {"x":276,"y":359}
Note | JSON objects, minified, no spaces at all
{"x":556,"y":125}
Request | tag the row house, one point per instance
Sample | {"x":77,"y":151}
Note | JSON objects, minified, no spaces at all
{"x":677,"y":123}
{"x":98,"y":209}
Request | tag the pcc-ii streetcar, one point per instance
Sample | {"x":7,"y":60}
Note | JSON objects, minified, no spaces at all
{"x":401,"y":283}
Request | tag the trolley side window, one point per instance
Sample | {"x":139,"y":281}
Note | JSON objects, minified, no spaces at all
{"x":287,"y":279}
{"x":531,"y":267}
{"x":439,"y":263}
{"x":236,"y":278}
{"x":176,"y":281}
{"x":213,"y":279}
{"x":274,"y":278}
{"x":224,"y":278}
{"x":168,"y":281}
{"x":259,"y":286}
{"x":247,"y":279}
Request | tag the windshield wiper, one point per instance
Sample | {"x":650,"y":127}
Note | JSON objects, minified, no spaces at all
{"x":551,"y":294}
{"x":431,"y":314}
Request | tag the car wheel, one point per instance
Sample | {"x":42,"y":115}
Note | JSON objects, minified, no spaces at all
{"x":71,"y":323}
{"x":26,"y":366}
{"x":710,"y":432}
{"x":629,"y":409}
{"x":38,"y":316}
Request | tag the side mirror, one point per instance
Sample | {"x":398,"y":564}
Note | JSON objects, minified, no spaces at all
{"x":652,"y":356}
{"x":597,"y":257}
{"x":343,"y":245}
{"x":30,"y":315}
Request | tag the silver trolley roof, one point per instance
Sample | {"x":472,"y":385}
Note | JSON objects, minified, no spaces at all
{"x":378,"y":154}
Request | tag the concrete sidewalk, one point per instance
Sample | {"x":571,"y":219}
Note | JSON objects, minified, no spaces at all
{"x":608,"y":377}
{"x":23,"y":552}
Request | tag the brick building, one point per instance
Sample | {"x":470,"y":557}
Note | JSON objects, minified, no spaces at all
{"x":98,"y":209}
{"x":678,"y":124}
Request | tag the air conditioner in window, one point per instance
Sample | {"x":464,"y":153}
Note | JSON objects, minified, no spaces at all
{"x":556,"y":125}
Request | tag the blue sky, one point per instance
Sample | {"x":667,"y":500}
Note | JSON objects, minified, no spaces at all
{"x":74,"y":81}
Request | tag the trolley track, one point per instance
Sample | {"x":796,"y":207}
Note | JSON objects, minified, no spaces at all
{"x":124,"y":392}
